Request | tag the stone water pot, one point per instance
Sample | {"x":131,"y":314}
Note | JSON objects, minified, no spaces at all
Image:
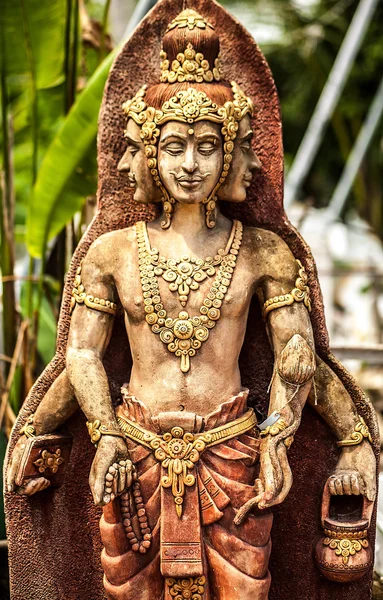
{"x":344,"y":553}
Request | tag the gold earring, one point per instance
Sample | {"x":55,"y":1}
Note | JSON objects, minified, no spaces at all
{"x":210,"y":211}
{"x":168,"y":210}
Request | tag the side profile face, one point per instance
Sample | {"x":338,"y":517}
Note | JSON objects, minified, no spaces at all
{"x":190,"y":159}
{"x":134,"y":163}
{"x":244,"y":164}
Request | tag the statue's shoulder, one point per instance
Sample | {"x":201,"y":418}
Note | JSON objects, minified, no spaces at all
{"x":273,"y":257}
{"x":266,"y":241}
{"x":108,"y":245}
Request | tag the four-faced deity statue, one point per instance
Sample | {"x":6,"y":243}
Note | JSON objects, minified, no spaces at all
{"x":224,"y":347}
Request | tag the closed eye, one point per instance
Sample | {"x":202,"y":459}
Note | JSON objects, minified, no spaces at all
{"x":207,"y":148}
{"x":174,"y":148}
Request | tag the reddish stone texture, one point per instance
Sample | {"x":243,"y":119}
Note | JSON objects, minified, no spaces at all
{"x":54,"y":541}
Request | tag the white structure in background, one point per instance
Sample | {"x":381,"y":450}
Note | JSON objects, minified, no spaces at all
{"x":349,"y":258}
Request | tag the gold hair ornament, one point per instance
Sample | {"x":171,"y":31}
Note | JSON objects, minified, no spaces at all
{"x":28,"y":429}
{"x":189,"y":18}
{"x":301,"y":293}
{"x":80,"y":296}
{"x":96,"y":431}
{"x":188,"y":106}
{"x":189,"y":66}
{"x":360,"y":433}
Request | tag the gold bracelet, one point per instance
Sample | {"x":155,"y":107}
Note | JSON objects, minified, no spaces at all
{"x":96,"y":430}
{"x":28,"y":429}
{"x":275,"y":429}
{"x":361,"y":432}
{"x":301,"y":293}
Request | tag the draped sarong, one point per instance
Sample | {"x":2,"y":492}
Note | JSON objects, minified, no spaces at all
{"x":218,"y":560}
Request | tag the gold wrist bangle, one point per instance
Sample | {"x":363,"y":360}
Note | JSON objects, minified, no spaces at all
{"x":28,"y":429}
{"x":360,"y":433}
{"x":96,"y":430}
{"x":275,"y":429}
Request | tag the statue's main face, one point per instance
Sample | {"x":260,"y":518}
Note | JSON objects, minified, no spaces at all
{"x":134,"y":163}
{"x":190,"y":159}
{"x":244,"y":164}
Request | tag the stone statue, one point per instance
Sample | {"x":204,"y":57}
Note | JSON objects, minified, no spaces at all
{"x":191,"y":342}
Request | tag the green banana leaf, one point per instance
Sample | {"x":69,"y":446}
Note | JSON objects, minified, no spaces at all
{"x":32,"y":34}
{"x":50,"y":207}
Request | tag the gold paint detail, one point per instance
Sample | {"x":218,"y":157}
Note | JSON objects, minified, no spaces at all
{"x":344,"y":535}
{"x":360,"y":433}
{"x":79,"y":296}
{"x":190,"y":588}
{"x":96,"y":430}
{"x":345,"y":547}
{"x":275,"y":429}
{"x":28,"y":429}
{"x":49,"y":461}
{"x":301,"y":293}
{"x":189,"y":18}
{"x":188,"y":106}
{"x":179,"y":451}
{"x":190,"y":66}
{"x":186,"y":274}
{"x":184,"y":335}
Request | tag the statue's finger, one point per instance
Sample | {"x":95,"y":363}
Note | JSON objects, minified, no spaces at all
{"x":338,"y":486}
{"x":115,"y":483}
{"x":346,"y":484}
{"x":287,"y":478}
{"x":131,"y":473}
{"x":331,"y":485}
{"x":355,"y":484}
{"x":14,"y":467}
{"x":121,"y":480}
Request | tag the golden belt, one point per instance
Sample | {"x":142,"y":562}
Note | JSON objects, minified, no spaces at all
{"x":179,"y":451}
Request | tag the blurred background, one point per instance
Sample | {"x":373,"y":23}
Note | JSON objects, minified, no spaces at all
{"x":327,"y":60}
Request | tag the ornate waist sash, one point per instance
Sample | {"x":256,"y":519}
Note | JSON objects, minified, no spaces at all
{"x":179,"y":451}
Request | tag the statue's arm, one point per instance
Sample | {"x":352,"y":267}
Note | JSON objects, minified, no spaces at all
{"x":355,"y":472}
{"x":290,"y":333}
{"x":89,"y":335}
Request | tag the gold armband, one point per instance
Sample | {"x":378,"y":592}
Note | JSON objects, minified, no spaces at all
{"x":96,"y":430}
{"x":28,"y":429}
{"x":301,"y":293}
{"x":361,"y":432}
{"x":80,"y":296}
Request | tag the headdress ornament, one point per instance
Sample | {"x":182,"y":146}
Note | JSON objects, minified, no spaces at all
{"x":189,"y":106}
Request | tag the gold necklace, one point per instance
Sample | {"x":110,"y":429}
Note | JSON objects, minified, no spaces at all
{"x":184,"y":335}
{"x":185,"y":274}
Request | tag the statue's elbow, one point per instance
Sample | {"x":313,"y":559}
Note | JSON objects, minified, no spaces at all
{"x":296,"y":364}
{"x":78,"y":359}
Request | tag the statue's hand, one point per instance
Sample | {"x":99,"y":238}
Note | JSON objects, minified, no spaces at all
{"x":275,"y":478}
{"x":112,"y":470}
{"x":34,"y":485}
{"x":355,"y":472}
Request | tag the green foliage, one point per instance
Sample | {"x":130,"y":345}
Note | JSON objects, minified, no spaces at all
{"x":61,"y":186}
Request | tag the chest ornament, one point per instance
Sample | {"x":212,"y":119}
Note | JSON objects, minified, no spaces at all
{"x":184,"y":335}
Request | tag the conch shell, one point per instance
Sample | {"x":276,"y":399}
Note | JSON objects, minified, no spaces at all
{"x":296,"y":363}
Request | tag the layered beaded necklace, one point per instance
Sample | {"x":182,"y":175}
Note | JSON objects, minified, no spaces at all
{"x":184,"y":335}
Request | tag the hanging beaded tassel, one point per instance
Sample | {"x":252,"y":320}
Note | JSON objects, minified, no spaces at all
{"x":132,"y":501}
